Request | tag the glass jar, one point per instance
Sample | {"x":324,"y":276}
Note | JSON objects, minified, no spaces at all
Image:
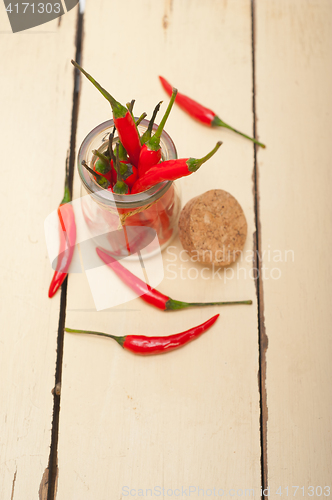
{"x":126,"y":224}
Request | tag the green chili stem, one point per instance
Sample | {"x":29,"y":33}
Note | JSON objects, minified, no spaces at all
{"x":120,"y":187}
{"x":110,"y":145}
{"x":166,"y":115}
{"x":119,"y":340}
{"x":130,"y":106}
{"x":147,"y":134}
{"x":217,"y":122}
{"x":117,"y":163}
{"x":194,"y":164}
{"x":172,"y":304}
{"x":153,"y":117}
{"x":102,"y":157}
{"x":97,"y":174}
{"x":118,"y":110}
{"x":102,"y":181}
{"x":122,"y":153}
{"x":138,"y":121}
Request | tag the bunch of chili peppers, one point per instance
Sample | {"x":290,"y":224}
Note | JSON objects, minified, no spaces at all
{"x":134,"y":164}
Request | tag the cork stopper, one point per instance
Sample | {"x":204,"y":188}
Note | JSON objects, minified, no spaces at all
{"x":213,"y":228}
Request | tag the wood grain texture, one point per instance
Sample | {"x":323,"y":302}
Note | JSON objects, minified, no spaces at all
{"x":294,"y":111}
{"x":190,"y":417}
{"x":36,"y":86}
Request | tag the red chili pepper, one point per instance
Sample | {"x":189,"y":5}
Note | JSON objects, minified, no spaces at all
{"x":150,"y":153}
{"x":201,"y":113}
{"x":67,"y":231}
{"x":123,"y":121}
{"x":140,"y":344}
{"x":171,"y":170}
{"x":149,"y":294}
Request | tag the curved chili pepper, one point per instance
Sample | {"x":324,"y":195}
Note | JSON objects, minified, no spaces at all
{"x":123,"y":121}
{"x":201,"y":113}
{"x":171,"y":170}
{"x":67,"y":232}
{"x":150,"y":153}
{"x":141,"y":344}
{"x":150,"y":295}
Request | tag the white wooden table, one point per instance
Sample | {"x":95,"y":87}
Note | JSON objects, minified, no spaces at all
{"x":249,"y":404}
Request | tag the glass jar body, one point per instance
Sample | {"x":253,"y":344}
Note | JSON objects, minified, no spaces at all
{"x":126,"y":224}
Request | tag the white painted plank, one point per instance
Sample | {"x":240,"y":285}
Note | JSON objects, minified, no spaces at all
{"x":36,"y":86}
{"x":190,"y":418}
{"x":294,"y":108}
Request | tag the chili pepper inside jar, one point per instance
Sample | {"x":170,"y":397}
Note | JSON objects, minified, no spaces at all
{"x":125,"y":224}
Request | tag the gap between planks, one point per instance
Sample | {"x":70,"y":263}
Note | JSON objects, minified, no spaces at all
{"x":262,"y":337}
{"x":13,"y":487}
{"x":53,"y":458}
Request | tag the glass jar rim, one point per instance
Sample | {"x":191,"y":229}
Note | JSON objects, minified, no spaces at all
{"x":109,"y":198}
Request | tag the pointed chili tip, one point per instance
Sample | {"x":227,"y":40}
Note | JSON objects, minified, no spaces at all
{"x":214,"y":318}
{"x":52,"y":290}
{"x":165,"y":83}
